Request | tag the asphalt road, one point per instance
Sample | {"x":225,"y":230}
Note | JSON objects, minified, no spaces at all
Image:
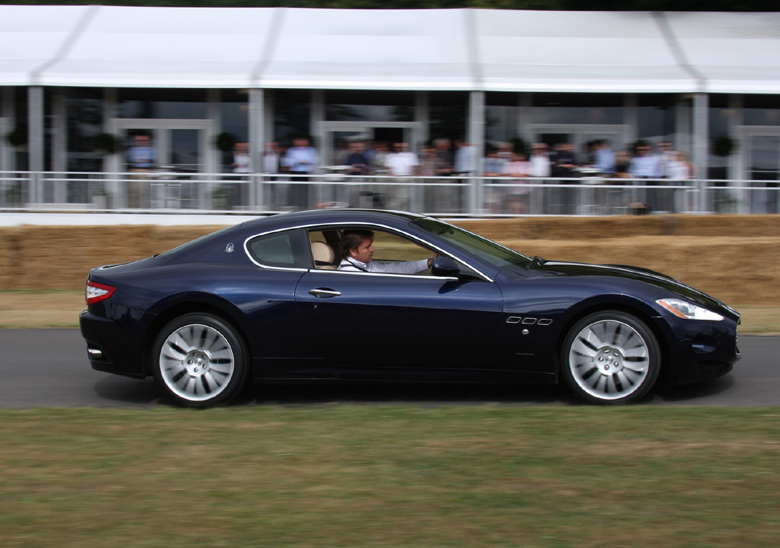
{"x":49,"y":368}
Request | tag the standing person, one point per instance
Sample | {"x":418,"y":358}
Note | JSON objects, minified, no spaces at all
{"x":302,"y":160}
{"x":604,"y":158}
{"x":540,"y":169}
{"x":428,"y":169}
{"x":401,"y":164}
{"x":464,"y":166}
{"x":445,"y":197}
{"x":518,"y":170}
{"x":666,"y":155}
{"x":242,"y":165}
{"x":356,"y":160}
{"x":646,"y":165}
{"x":680,"y":170}
{"x":564,"y":163}
{"x":493,"y":166}
{"x":358,"y":164}
{"x":141,"y":160}
{"x":242,"y":160}
{"x":272,"y":159}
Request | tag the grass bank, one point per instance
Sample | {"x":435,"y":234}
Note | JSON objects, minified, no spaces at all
{"x":61,"y":308}
{"x":390,"y":476}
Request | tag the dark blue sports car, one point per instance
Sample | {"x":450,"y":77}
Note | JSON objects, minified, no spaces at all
{"x":353,"y":295}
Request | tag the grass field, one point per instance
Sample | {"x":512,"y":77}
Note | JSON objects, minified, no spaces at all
{"x":61,"y":308}
{"x":390,"y":476}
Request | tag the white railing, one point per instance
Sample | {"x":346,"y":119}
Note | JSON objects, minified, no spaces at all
{"x":465,"y":196}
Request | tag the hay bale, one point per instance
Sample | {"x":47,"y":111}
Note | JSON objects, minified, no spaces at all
{"x":713,"y":253}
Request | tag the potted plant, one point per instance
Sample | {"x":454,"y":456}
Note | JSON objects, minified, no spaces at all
{"x":17,"y":137}
{"x":107,"y":143}
{"x":723,"y":146}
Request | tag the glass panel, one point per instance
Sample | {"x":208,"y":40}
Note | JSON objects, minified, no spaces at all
{"x":448,"y":114}
{"x":390,"y":247}
{"x":500,"y":124}
{"x":765,"y":157}
{"x":84,"y":108}
{"x":369,"y":106}
{"x":234,"y":117}
{"x":162,"y":104}
{"x":656,"y":117}
{"x":285,"y":249}
{"x":761,"y":110}
{"x":575,"y":108}
{"x":291,"y":116}
{"x":185,"y":150}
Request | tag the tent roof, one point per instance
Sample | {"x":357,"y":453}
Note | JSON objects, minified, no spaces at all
{"x":461,"y":49}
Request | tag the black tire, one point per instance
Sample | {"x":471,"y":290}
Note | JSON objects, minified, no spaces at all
{"x":610,"y":357}
{"x":200,"y":361}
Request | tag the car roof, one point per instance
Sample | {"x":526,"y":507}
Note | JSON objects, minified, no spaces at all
{"x":328,"y":216}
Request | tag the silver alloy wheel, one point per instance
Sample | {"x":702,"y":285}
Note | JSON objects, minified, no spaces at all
{"x":196,"y":362}
{"x":609,"y":360}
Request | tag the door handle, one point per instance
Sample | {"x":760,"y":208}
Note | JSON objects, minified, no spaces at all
{"x":324,"y":293}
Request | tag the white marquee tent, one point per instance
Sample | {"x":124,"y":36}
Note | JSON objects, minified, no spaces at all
{"x":462,"y":49}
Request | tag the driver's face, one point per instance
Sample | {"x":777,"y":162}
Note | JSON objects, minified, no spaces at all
{"x":364,"y":252}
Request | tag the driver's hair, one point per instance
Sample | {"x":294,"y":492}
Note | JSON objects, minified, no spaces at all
{"x":351,"y":239}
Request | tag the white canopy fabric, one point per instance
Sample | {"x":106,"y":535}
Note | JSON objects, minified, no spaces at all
{"x":490,"y":50}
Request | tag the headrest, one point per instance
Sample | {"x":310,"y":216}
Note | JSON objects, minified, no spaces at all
{"x":323,"y":253}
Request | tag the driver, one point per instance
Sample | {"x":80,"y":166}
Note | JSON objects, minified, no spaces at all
{"x":357,"y":251}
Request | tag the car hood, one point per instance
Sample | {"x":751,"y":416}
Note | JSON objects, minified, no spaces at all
{"x":563,"y":268}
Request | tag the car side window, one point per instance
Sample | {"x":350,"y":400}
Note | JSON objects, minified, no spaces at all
{"x":392,"y":248}
{"x":280,"y":249}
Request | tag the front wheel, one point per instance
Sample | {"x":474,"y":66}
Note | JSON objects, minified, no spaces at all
{"x":610,"y":357}
{"x":200,"y":361}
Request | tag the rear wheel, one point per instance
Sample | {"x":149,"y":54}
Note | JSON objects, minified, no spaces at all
{"x":610,"y":357}
{"x":200,"y":361}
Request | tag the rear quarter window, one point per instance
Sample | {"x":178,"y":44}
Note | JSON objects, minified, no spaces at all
{"x":280,"y":249}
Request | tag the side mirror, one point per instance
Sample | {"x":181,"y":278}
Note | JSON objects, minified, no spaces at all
{"x":445,"y":267}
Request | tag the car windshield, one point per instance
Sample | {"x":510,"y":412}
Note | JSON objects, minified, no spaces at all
{"x":487,"y":250}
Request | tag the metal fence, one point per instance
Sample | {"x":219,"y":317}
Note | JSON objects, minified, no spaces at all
{"x":165,"y":190}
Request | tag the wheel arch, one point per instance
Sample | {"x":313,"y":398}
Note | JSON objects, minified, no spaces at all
{"x":192,"y":305}
{"x":624,"y":304}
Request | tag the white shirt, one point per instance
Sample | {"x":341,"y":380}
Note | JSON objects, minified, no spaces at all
{"x":645,"y":166}
{"x":402,"y":164}
{"x":540,"y":165}
{"x":242,"y":162}
{"x":408,"y":267}
{"x":464,"y":160}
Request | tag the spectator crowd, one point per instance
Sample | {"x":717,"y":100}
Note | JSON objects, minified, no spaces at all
{"x":546,"y":179}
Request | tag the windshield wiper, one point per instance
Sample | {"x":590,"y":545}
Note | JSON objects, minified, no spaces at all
{"x":536,"y":261}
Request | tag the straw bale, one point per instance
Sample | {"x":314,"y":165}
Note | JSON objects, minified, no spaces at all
{"x":625,"y":226}
{"x":734,"y":258}
{"x":734,"y":270}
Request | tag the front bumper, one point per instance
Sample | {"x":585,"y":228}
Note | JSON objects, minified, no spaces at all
{"x":699,"y":350}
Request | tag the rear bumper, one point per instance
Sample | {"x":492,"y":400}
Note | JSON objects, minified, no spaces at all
{"x":113,"y":348}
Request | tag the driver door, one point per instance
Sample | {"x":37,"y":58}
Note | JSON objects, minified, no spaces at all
{"x":402,"y":326}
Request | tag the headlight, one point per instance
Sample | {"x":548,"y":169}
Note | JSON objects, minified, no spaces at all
{"x":689,"y":311}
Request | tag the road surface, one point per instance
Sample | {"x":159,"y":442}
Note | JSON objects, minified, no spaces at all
{"x":49,"y":368}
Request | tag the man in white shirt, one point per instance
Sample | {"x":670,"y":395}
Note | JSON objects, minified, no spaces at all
{"x":540,"y":167}
{"x":401,"y":163}
{"x":357,"y":254}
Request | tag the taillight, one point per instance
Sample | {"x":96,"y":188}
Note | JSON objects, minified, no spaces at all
{"x":96,"y":292}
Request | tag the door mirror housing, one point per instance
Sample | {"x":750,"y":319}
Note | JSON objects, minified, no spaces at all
{"x":445,"y":267}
